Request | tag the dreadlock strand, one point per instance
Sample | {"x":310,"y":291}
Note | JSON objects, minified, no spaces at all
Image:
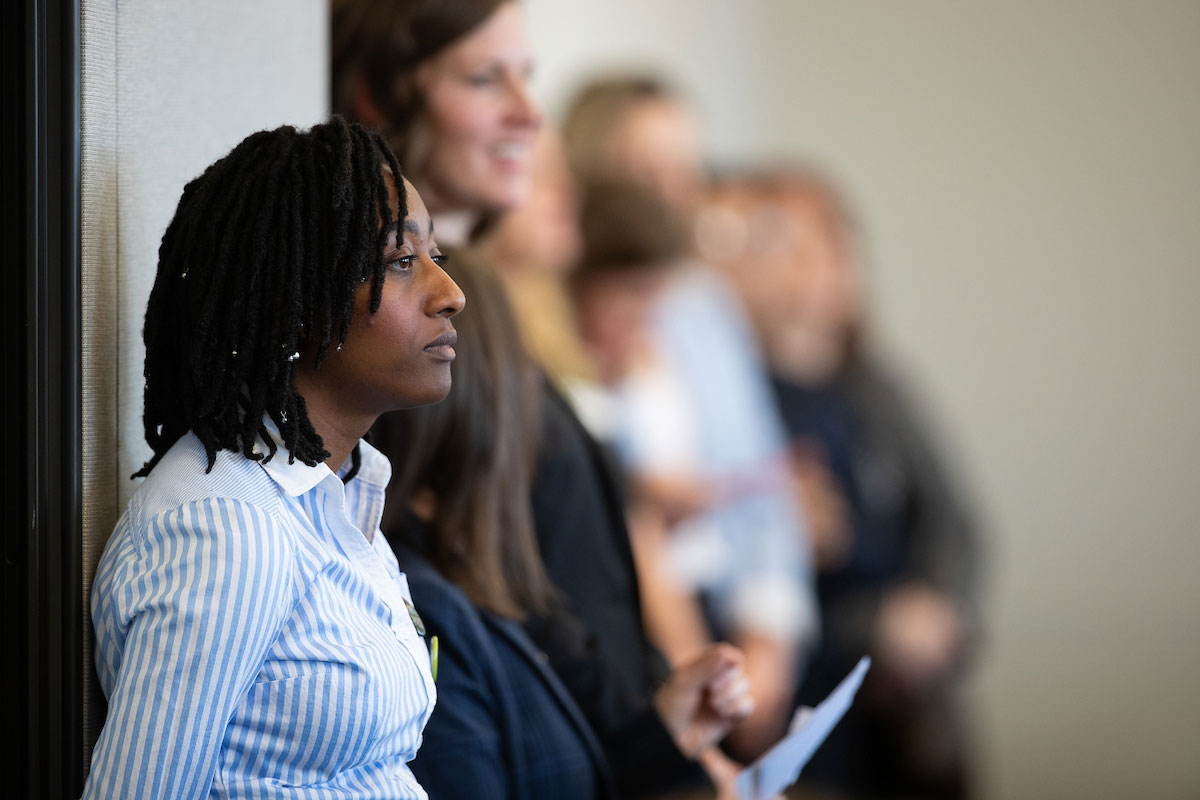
{"x":380,"y":198}
{"x":268,"y":348}
{"x":350,"y":268}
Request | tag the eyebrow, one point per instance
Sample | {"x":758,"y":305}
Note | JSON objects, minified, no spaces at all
{"x":410,"y":225}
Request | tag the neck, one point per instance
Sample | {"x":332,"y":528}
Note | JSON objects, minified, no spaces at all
{"x":805,"y":356}
{"x":339,"y":430}
{"x":509,"y":268}
{"x":453,"y":228}
{"x":513,"y":280}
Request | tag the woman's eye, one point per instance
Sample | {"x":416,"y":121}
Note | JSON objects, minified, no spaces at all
{"x":403,"y":263}
{"x":441,"y":260}
{"x":481,"y":79}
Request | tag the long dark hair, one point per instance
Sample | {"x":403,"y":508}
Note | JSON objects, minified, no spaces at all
{"x":475,"y":453}
{"x":262,"y":259}
{"x":377,"y":46}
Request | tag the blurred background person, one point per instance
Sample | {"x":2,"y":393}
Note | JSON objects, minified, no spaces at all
{"x":533,"y":247}
{"x":461,"y":522}
{"x":893,"y":537}
{"x":448,"y":85}
{"x":736,"y":535}
{"x":632,"y":244}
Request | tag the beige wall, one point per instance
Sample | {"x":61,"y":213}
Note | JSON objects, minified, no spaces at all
{"x":1029,"y":177}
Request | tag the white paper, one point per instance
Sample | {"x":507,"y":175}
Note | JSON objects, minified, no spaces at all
{"x":781,"y":765}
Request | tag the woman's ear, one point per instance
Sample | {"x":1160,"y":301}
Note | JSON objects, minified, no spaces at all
{"x":362,"y":101}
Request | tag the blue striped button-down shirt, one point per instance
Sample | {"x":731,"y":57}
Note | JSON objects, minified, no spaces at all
{"x":253,"y":637}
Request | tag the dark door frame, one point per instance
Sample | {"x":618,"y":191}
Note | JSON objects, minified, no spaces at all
{"x":41,"y":571}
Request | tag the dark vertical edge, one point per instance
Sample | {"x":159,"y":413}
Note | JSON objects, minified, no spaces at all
{"x":78,"y":673}
{"x":42,"y":424}
{"x":15,"y":55}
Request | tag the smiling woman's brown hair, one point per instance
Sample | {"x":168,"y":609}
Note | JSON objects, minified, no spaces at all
{"x":474,"y":454}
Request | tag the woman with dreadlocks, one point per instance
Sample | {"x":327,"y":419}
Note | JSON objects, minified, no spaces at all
{"x":254,"y":633}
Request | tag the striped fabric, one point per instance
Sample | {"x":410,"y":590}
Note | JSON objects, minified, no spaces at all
{"x":252,"y":641}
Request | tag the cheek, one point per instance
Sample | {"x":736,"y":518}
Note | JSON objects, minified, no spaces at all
{"x":390,"y":327}
{"x":460,"y":124}
{"x":394,"y":325}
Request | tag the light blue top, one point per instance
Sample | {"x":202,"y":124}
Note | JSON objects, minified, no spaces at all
{"x":755,"y":535}
{"x":252,"y":636}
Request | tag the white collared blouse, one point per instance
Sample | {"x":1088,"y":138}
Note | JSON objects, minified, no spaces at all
{"x":253,"y":636}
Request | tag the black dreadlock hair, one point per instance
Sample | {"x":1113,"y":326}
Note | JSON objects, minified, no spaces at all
{"x":263,"y":258}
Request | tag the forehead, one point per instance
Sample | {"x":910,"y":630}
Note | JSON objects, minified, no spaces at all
{"x":416,"y":206}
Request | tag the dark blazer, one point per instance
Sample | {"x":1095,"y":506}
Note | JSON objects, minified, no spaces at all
{"x":504,"y":726}
{"x":579,"y":519}
{"x":597,"y":643}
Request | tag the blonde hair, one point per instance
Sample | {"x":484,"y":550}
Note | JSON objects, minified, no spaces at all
{"x":594,"y":115}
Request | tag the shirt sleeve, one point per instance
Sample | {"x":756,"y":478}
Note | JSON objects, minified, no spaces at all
{"x":207,"y":592}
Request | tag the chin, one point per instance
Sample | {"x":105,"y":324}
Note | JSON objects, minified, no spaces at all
{"x":434,"y":392}
{"x":506,"y":195}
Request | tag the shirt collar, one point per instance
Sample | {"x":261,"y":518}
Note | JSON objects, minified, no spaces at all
{"x":375,"y":468}
{"x":297,"y":478}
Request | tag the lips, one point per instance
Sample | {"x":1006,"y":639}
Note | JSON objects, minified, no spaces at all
{"x":442,"y":348}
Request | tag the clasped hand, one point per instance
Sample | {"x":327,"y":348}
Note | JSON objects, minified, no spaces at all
{"x":705,"y":698}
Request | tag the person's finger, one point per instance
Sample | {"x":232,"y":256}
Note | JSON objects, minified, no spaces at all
{"x":730,"y":690}
{"x":725,"y":678}
{"x":706,"y":667}
{"x":735,"y":702}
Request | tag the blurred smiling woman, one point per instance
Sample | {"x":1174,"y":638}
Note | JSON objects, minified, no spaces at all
{"x":253,"y":629}
{"x":448,"y":85}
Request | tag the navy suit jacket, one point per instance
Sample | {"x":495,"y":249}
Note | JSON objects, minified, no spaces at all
{"x":503,"y":726}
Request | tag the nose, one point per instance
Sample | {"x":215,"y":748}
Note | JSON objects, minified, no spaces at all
{"x":523,"y":109}
{"x":444,"y":298}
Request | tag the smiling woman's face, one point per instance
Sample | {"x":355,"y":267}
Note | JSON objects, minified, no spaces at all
{"x":473,"y":147}
{"x":398,"y":357}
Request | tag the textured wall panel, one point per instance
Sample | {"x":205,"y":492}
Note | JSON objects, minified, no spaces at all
{"x":98,"y":154}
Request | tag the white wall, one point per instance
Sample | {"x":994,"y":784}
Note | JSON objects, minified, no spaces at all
{"x":1029,"y":177}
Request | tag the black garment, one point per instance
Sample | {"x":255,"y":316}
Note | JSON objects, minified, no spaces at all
{"x":599,"y":649}
{"x":909,"y":524}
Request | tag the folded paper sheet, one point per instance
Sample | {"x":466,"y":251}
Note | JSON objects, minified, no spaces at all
{"x":781,"y":765}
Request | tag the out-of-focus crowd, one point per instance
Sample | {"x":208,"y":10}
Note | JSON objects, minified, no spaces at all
{"x":696,"y":355}
{"x":784,"y":492}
